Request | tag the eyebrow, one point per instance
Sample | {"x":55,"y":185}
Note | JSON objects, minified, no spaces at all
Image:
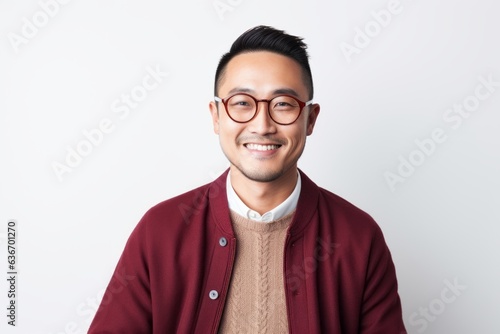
{"x":279,"y":91}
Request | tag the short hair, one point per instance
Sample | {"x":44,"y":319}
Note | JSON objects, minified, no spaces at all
{"x":265,"y":38}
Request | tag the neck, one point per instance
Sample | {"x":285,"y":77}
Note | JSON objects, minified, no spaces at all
{"x":263,"y":196}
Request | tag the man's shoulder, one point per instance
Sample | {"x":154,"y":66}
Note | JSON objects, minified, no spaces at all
{"x":189,"y":200}
{"x":332,"y":212}
{"x":347,"y":215}
{"x":328,"y":200}
{"x":340,"y":221}
{"x":183,"y":207}
{"x":340,"y":204}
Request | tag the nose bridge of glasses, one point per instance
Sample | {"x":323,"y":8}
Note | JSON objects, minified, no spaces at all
{"x":267,"y":108}
{"x":267,"y":104}
{"x":266,"y":113}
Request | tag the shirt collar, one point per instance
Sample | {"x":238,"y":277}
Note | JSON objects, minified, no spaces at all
{"x":286,"y":207}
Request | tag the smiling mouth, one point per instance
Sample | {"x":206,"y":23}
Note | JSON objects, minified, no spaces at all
{"x":257,"y":147}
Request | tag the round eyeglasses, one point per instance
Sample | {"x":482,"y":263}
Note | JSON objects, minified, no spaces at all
{"x":283,"y":109}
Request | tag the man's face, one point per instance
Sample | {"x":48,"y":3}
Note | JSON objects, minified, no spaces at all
{"x":261,"y":149}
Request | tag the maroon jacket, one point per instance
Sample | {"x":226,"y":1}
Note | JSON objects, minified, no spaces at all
{"x":174,"y":273}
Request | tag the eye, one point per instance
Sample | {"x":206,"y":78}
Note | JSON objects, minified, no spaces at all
{"x":240,"y":103}
{"x":283,"y":104}
{"x":285,"y":101}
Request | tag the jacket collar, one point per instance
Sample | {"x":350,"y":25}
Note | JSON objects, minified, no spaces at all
{"x":306,"y":207}
{"x":284,"y":208}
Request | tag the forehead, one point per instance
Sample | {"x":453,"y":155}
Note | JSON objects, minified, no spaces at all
{"x":262,"y":72}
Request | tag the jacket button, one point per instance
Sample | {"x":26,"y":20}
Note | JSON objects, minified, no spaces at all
{"x":213,"y":294}
{"x":223,"y":242}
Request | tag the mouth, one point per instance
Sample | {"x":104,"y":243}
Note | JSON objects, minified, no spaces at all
{"x":260,"y":147}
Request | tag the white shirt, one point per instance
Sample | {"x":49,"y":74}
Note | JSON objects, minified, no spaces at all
{"x":286,"y":207}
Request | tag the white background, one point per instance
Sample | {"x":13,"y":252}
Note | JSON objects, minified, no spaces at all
{"x":441,"y":223}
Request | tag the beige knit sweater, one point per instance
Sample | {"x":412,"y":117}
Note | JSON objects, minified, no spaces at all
{"x":256,"y":296}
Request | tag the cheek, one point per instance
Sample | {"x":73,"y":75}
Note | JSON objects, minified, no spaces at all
{"x":300,"y":128}
{"x":297,"y":138}
{"x":228,"y":131}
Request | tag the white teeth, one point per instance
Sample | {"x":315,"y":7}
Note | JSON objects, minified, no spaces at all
{"x":262,"y":147}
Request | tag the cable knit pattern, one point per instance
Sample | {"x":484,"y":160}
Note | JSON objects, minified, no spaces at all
{"x":263,"y":283}
{"x":236,"y":306}
{"x":256,"y":297}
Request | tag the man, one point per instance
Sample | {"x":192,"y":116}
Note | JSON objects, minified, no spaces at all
{"x":262,"y":249}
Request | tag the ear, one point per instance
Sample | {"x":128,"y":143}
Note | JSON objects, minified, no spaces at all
{"x":215,"y":116}
{"x":311,"y":118}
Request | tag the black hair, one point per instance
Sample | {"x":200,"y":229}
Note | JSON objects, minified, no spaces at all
{"x":265,"y":38}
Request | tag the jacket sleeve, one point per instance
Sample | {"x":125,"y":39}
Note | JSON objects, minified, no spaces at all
{"x":126,"y":304}
{"x":381,"y":310}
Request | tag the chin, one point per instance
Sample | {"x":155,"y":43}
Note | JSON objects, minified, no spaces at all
{"x":261,"y":175}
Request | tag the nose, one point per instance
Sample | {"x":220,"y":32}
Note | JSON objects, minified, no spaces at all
{"x":262,"y":123}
